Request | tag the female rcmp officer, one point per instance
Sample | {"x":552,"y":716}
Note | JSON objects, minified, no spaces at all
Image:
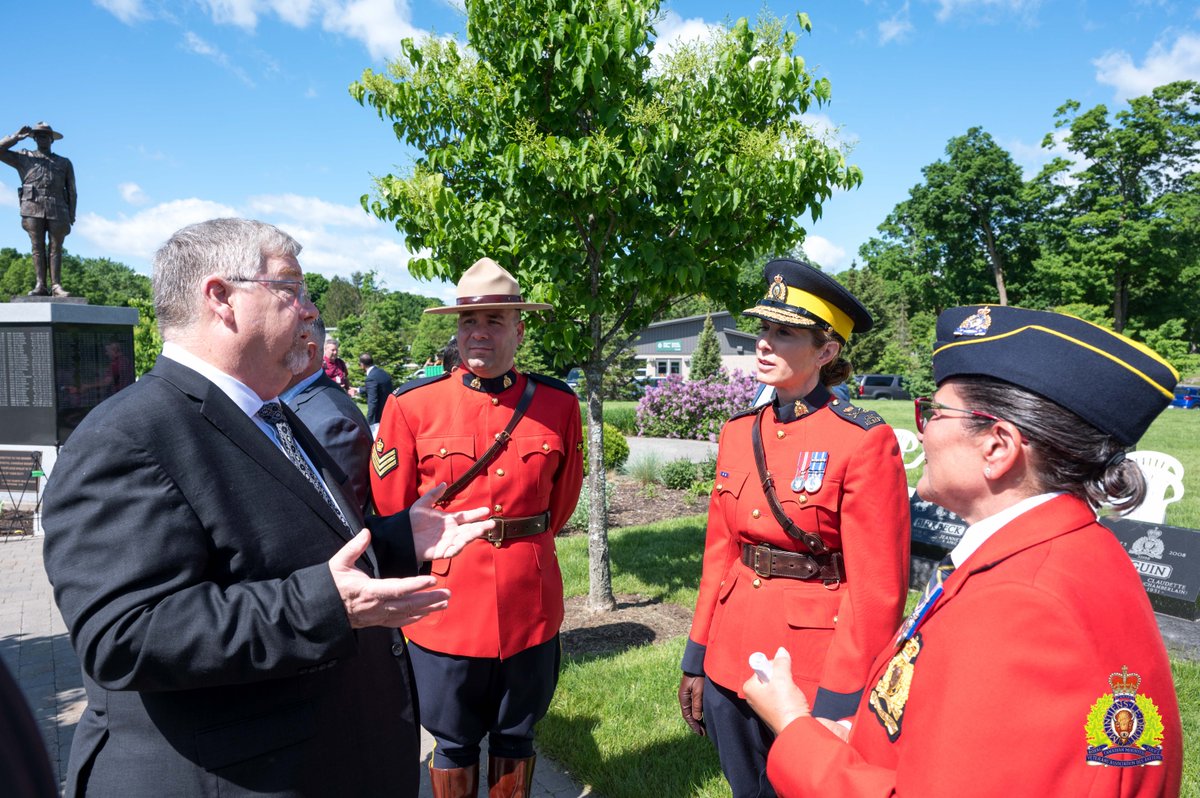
{"x":813,"y":558}
{"x":1033,"y":665}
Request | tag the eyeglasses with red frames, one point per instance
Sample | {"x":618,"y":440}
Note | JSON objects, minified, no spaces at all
{"x":927,"y":410}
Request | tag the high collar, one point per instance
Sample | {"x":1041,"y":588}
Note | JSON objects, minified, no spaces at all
{"x":816,"y":399}
{"x":489,"y":384}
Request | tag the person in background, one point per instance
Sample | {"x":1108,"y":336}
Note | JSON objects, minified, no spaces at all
{"x":1037,"y":612}
{"x":334,"y":419}
{"x":377,"y":384}
{"x":335,"y":367}
{"x":813,"y":557}
{"x":512,"y":441}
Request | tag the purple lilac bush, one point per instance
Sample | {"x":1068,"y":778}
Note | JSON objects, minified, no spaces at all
{"x":696,"y":409}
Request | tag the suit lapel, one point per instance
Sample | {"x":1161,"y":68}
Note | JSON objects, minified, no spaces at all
{"x":220,"y":411}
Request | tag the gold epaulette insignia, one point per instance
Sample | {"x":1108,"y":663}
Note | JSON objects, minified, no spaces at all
{"x":383,"y":462}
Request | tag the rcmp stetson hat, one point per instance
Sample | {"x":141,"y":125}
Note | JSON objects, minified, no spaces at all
{"x":1115,"y":384}
{"x":800,"y":296}
{"x":42,"y":127}
{"x":487,"y":286}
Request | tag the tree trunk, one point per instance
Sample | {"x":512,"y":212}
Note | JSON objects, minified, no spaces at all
{"x":1120,"y":300}
{"x":600,"y":595}
{"x":997,"y":260}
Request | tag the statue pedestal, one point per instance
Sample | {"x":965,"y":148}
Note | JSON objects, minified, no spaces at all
{"x":66,"y":300}
{"x":59,"y":358}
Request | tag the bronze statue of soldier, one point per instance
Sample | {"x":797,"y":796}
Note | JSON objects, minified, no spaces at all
{"x":48,"y":199}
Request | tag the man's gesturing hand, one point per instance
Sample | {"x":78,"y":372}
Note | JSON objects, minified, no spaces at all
{"x":437,"y":534}
{"x":381,"y":602}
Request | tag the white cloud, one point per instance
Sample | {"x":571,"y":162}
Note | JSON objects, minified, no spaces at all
{"x":139,"y":235}
{"x":1166,"y":62}
{"x":132,"y":193}
{"x":897,"y":28}
{"x":829,"y":255}
{"x":673,"y":30}
{"x":987,"y":10}
{"x":311,"y":211}
{"x":128,"y":11}
{"x":378,"y":24}
{"x":195,"y":44}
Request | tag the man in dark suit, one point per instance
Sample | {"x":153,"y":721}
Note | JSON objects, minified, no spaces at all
{"x":236,"y":636}
{"x":333,"y":417}
{"x":378,"y":384}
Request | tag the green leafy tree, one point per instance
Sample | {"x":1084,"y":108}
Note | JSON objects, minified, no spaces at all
{"x":706,"y":360}
{"x":433,"y":332}
{"x":341,"y":299}
{"x":147,"y":341}
{"x":609,"y":185}
{"x":317,"y":285}
{"x":103,"y":281}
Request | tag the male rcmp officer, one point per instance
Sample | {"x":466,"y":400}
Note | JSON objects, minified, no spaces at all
{"x":489,"y":664}
{"x":48,"y":199}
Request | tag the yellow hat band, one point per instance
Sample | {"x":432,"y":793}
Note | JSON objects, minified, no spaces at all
{"x":827,"y":312}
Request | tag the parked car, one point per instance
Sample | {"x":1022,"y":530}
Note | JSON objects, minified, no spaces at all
{"x":574,"y":378}
{"x":1187,"y":397}
{"x":882,"y":386}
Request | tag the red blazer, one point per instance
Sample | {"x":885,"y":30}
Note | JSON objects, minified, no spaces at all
{"x":860,"y":508}
{"x":1011,"y":666}
{"x":507,"y":599}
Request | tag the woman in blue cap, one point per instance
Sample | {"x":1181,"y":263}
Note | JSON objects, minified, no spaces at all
{"x":1033,"y":664}
{"x":808,"y":528}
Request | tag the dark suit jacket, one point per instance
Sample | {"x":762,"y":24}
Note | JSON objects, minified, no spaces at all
{"x":24,"y":767}
{"x":378,"y":384}
{"x":189,"y":559}
{"x":333,"y":417}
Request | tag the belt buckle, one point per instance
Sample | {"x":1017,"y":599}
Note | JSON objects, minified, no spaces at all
{"x":495,"y":535}
{"x":759,"y":551}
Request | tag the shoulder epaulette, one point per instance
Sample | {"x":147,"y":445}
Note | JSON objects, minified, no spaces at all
{"x":419,"y":382}
{"x":856,"y":415}
{"x":542,"y":379}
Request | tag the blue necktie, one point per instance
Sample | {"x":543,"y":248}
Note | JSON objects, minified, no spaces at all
{"x":273,"y":415}
{"x":933,"y":590}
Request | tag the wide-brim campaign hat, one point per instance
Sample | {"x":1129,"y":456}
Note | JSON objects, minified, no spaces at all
{"x":800,"y":296}
{"x":42,"y":127}
{"x":1112,"y":382}
{"x":488,"y":286}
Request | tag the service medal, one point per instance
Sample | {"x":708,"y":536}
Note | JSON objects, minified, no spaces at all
{"x":816,"y":471}
{"x":801,"y":471}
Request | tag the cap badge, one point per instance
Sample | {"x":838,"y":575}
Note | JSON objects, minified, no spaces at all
{"x":778,"y":289}
{"x":976,"y":324}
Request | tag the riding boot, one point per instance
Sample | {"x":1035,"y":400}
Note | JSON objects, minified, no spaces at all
{"x":454,"y":782}
{"x":39,"y":267}
{"x":56,"y":275}
{"x":510,"y":778}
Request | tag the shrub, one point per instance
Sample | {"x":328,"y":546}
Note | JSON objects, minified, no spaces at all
{"x":616,"y":450}
{"x":696,"y":409}
{"x":678,"y":474}
{"x":646,"y":469}
{"x":582,"y":512}
{"x":623,"y":417}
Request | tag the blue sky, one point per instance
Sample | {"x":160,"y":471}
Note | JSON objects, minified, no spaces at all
{"x":175,"y":111}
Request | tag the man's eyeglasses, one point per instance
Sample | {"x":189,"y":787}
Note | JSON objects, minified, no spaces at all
{"x":927,"y":410}
{"x":293,"y":289}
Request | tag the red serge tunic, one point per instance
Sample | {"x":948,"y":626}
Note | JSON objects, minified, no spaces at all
{"x":506,"y":599}
{"x":1006,"y":683}
{"x":860,"y":508}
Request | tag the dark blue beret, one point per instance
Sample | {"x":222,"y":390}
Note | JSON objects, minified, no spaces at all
{"x":800,"y":296}
{"x":1117,"y":385}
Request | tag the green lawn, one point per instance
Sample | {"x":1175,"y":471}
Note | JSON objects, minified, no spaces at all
{"x":615,"y":723}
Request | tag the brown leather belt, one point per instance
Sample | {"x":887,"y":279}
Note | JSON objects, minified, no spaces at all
{"x":508,"y":528}
{"x":768,"y":561}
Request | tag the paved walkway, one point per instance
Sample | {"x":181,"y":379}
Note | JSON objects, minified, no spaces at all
{"x":35,"y":648}
{"x":668,"y":449}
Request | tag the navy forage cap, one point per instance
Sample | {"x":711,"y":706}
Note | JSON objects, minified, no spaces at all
{"x":800,"y":296}
{"x":1117,"y":385}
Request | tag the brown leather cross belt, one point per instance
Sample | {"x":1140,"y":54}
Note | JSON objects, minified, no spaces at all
{"x":508,"y":528}
{"x":768,"y":561}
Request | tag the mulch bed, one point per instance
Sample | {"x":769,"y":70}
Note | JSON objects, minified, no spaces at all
{"x":637,"y":620}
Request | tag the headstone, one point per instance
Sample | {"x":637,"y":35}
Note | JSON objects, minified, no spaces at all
{"x":935,"y":532}
{"x":1168,"y":559}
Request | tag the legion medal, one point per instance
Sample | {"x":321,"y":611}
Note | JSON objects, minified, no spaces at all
{"x":801,"y":471}
{"x":816,"y":471}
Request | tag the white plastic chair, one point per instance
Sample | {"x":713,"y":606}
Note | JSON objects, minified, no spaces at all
{"x":909,"y":444}
{"x":1164,"y":485}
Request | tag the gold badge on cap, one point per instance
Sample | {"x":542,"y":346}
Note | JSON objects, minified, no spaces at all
{"x":976,"y":324}
{"x":383,"y":462}
{"x":778,"y":289}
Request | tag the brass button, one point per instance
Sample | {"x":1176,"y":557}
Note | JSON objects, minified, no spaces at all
{"x":495,"y":401}
{"x":498,"y":508}
{"x":442,"y":451}
{"x":757,"y":583}
{"x":546,"y":447}
{"x":779,"y":433}
{"x":802,"y":498}
{"x":755,"y":514}
{"x":720,"y":486}
{"x":499,"y":472}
